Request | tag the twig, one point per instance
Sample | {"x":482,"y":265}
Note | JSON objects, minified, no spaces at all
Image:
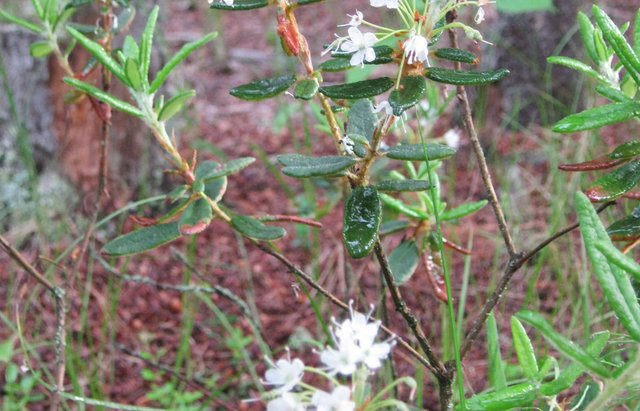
{"x":336,"y":301}
{"x":512,"y":267}
{"x":480,"y":156}
{"x":60,"y":308}
{"x":401,"y":306}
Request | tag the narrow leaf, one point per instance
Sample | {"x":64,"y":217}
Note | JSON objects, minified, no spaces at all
{"x":100,"y":54}
{"x":497,"y":378}
{"x":228,"y":168}
{"x":403,"y":261}
{"x":104,"y":97}
{"x":615,"y":184}
{"x":297,"y":165}
{"x":524,"y":350}
{"x":515,"y":396}
{"x":253,"y":228}
{"x":21,"y":22}
{"x":362,"y":119}
{"x":146,"y":43}
{"x":132,"y":72}
{"x":239,"y":4}
{"x":578,"y":66}
{"x":626,"y":150}
{"x":40,"y":49}
{"x":399,"y":206}
{"x":618,"y":43}
{"x":175,"y":104}
{"x":178,"y":58}
{"x":618,"y":258}
{"x":616,"y":285}
{"x":465,"y":78}
{"x":142,"y":240}
{"x":570,"y":374}
{"x":562,"y":344}
{"x":335,"y":65}
{"x":403,"y":185}
{"x":416,"y":152}
{"x":463,"y":210}
{"x":358,"y":89}
{"x":601,"y":163}
{"x":196,"y":217}
{"x":453,"y":54}
{"x":262,"y":89}
{"x":598,"y":117}
{"x":586,"y":31}
{"x":627,"y":228}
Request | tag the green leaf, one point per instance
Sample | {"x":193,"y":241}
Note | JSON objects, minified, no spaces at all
{"x":6,"y":350}
{"x":261,"y":89}
{"x":362,"y":215}
{"x":132,"y":72}
{"x":239,"y":4}
{"x":415,"y":152}
{"x":618,"y":258}
{"x":175,"y":104}
{"x":214,"y":188}
{"x":196,"y":218}
{"x":230,"y":167}
{"x":253,"y":228}
{"x":612,"y":94}
{"x":403,"y":185}
{"x":104,"y":97}
{"x":626,"y":150}
{"x":636,"y":33}
{"x":184,"y":52}
{"x":21,"y":22}
{"x":461,"y":56}
{"x":142,"y":240}
{"x":300,"y":166}
{"x":399,"y":206}
{"x":146,"y":44}
{"x":598,"y":117}
{"x":618,"y":43}
{"x":562,"y":344}
{"x":465,"y":78}
{"x":130,"y":48}
{"x":576,"y":65}
{"x":362,"y":119}
{"x":305,"y":2}
{"x":306,"y":89}
{"x":463,"y":210}
{"x":99,"y":53}
{"x":627,"y":228}
{"x":588,"y":392}
{"x":515,"y":396}
{"x":586,"y":31}
{"x":359,"y":89}
{"x":390,"y":227}
{"x":570,"y":374}
{"x":409,"y":93}
{"x":615,"y":184}
{"x":40,"y":49}
{"x":524,"y":350}
{"x":495,"y":364}
{"x":616,"y":285}
{"x":403,"y":261}
{"x":335,"y":65}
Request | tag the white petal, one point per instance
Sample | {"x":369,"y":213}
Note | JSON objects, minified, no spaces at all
{"x":369,"y":54}
{"x":357,"y":59}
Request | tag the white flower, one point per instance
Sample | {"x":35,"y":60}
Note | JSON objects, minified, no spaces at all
{"x":390,"y":4}
{"x":479,"y":17}
{"x":416,"y":49}
{"x":361,"y":45}
{"x":285,"y":374}
{"x":452,"y":138}
{"x":338,"y":400}
{"x":288,"y":402}
{"x":356,"y":20}
{"x":383,"y":105}
{"x":344,"y":360}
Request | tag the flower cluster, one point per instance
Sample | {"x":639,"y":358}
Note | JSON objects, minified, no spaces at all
{"x":355,"y":354}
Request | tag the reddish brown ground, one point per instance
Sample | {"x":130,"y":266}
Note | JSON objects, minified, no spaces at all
{"x":147,"y":319}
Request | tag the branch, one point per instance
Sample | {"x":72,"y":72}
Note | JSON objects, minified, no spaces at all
{"x":512,"y":267}
{"x":401,"y":306}
{"x":336,"y":301}
{"x":60,"y":308}
{"x":480,"y":156}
